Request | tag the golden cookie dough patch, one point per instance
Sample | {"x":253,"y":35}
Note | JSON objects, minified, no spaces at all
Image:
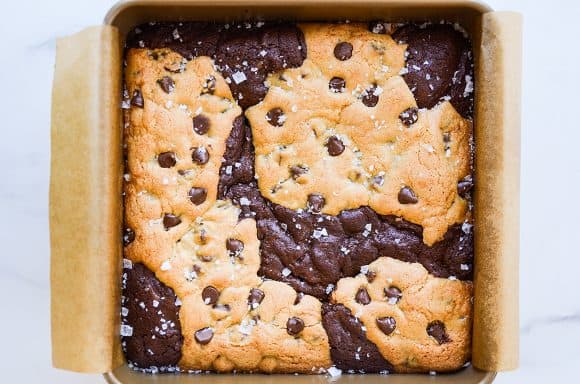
{"x":332,"y":127}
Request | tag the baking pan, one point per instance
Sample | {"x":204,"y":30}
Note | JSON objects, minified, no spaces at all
{"x":86,"y":174}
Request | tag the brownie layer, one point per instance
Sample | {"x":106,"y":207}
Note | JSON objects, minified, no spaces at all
{"x":152,"y":313}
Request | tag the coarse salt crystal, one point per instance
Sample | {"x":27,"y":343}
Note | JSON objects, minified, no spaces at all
{"x":126,"y":330}
{"x":244,"y":201}
{"x":452,"y":277}
{"x":155,"y":303}
{"x":334,"y":372}
{"x":464,"y":267}
{"x":286,"y":272}
{"x":364,"y":269}
{"x":124,"y":311}
{"x":329,"y":288}
{"x":127,"y":264}
{"x":239,"y":77}
{"x":165,"y":266}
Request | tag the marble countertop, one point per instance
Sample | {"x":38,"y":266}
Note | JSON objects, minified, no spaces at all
{"x":550,"y":185}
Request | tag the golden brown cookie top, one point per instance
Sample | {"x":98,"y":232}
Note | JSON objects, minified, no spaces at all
{"x":349,"y":123}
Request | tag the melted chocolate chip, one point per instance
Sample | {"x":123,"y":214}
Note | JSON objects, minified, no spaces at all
{"x":362,"y":296}
{"x":166,"y":159}
{"x":167,"y":84}
{"x":297,"y":170}
{"x":255,"y":298}
{"x":137,"y":99}
{"x":298,"y":298}
{"x":337,"y":85}
{"x":170,"y":221}
{"x":200,"y":155}
{"x":203,"y":336}
{"x":464,"y":186}
{"x":206,"y":258}
{"x":409,"y":116}
{"x":407,"y":196}
{"x":235,"y":246}
{"x":343,"y":51}
{"x":371,"y":276}
{"x":387,"y":324}
{"x":210,"y":295}
{"x":316,"y":202}
{"x":276,"y":117}
{"x":436,"y":329}
{"x":393,"y":294}
{"x":378,"y":27}
{"x":201,"y":124}
{"x":334,"y":146}
{"x":197,"y":195}
{"x":128,"y":236}
{"x":294,"y":326}
{"x":370,"y":97}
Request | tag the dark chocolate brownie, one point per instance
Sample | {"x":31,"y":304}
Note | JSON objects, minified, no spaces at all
{"x":151,"y":317}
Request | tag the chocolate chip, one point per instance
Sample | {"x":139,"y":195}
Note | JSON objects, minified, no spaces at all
{"x":294,"y":326}
{"x":334,"y":146}
{"x":298,"y":298}
{"x":371,"y":276}
{"x":409,"y":116}
{"x":196,"y":268}
{"x":210,"y":295}
{"x":316,"y":202}
{"x":378,"y":27}
{"x":362,"y":296}
{"x":276,"y":117}
{"x":256,"y":297}
{"x":353,"y":221}
{"x":464,"y":186}
{"x":166,"y":159}
{"x":370,"y":97}
{"x":203,"y":336}
{"x":235,"y":246}
{"x":201,"y":124}
{"x":170,"y":220}
{"x":407,"y":196}
{"x":209,"y":85}
{"x":436,"y":329}
{"x":167,"y":84}
{"x":337,"y":84}
{"x":197,"y":195}
{"x":200,"y":155}
{"x":386,"y":324}
{"x":137,"y":99}
{"x":297,"y":170}
{"x":343,"y":51}
{"x":393,"y":294}
{"x":128,"y":236}
{"x":206,"y":258}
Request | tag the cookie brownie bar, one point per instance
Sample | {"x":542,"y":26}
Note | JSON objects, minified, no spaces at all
{"x":297,"y":197}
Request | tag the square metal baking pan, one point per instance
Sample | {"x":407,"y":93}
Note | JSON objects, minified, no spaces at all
{"x":496,"y":45}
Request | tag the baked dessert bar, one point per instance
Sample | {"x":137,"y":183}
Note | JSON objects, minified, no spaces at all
{"x":297,"y":197}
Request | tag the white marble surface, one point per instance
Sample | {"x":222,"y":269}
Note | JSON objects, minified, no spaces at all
{"x":550,"y":259}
